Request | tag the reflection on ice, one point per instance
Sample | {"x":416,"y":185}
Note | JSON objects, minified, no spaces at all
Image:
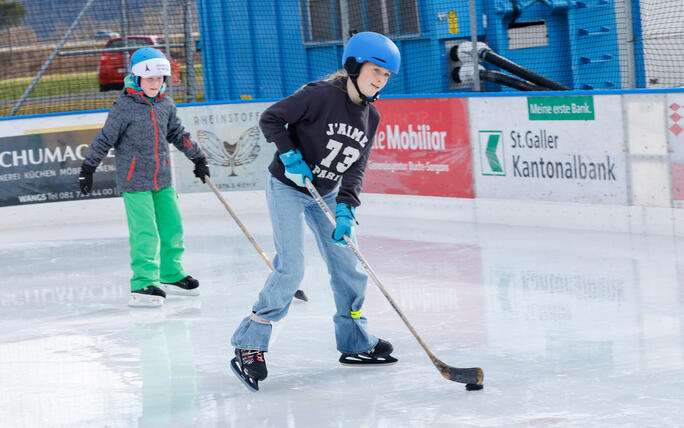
{"x":571,"y":329}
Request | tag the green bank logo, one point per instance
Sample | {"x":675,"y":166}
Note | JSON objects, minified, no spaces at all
{"x":492,"y":153}
{"x":580,"y":107}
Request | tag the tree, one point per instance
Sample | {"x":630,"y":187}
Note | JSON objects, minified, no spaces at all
{"x":11,"y":14}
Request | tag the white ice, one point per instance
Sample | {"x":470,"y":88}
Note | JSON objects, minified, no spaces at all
{"x":571,"y":328}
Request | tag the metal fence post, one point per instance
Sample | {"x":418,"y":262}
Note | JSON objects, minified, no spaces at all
{"x":189,"y":53}
{"x":344,"y":19}
{"x":473,"y":37}
{"x":167,"y":48}
{"x":625,"y":34}
{"x":124,"y":33}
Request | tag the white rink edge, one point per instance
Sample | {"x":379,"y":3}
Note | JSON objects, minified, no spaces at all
{"x":593,"y":217}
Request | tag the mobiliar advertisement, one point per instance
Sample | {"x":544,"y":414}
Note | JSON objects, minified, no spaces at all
{"x":421,"y":148}
{"x":44,"y":167}
{"x":550,"y":148}
{"x":236,"y":150}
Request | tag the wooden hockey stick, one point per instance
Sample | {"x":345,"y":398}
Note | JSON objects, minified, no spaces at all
{"x":299,"y":294}
{"x":471,"y":376}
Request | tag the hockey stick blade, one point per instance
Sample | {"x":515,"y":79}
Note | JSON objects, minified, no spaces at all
{"x":455,"y":374}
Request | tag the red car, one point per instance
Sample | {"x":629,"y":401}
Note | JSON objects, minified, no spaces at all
{"x":111,"y":70}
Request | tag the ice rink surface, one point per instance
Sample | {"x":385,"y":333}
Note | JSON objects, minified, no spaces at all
{"x":571,"y":328}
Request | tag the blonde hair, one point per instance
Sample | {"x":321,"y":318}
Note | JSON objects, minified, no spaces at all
{"x":340,"y":75}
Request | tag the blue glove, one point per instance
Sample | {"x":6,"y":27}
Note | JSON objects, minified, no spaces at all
{"x":344,"y":217}
{"x":295,"y":167}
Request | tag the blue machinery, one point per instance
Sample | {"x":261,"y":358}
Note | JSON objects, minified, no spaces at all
{"x":269,"y":48}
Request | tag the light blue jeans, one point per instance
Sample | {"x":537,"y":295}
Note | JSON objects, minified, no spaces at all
{"x":287,"y":207}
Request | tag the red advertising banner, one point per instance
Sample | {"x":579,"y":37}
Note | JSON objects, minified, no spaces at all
{"x":422,"y":148}
{"x":677,"y":171}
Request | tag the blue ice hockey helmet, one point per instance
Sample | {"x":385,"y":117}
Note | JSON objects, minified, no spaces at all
{"x":373,"y":47}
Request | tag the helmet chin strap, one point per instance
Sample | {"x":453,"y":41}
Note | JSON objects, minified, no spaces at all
{"x":364,"y":99}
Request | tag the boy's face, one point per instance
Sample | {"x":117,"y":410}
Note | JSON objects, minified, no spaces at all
{"x":372,"y":78}
{"x":151,"y":85}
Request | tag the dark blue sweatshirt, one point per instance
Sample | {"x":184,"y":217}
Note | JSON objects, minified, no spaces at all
{"x":333,"y":134}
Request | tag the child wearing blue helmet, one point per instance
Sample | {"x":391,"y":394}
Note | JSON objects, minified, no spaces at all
{"x":141,"y":122}
{"x":325,"y":132}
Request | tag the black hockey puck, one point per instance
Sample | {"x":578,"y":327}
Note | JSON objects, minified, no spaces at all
{"x":473,"y":387}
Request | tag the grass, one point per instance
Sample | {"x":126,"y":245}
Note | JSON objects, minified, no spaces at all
{"x":65,"y":84}
{"x":27,"y":109}
{"x":58,"y":84}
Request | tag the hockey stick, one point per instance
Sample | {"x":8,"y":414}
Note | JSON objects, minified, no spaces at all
{"x":470,"y":376}
{"x":299,"y":294}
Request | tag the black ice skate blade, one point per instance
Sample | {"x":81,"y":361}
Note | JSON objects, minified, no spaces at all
{"x":364,"y":361}
{"x":251,"y":384}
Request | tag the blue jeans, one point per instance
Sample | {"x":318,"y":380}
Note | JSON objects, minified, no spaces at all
{"x":287,"y":207}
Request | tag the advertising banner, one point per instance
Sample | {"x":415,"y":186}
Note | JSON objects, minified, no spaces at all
{"x":675,"y":142}
{"x":421,"y":148}
{"x":556,"y":148}
{"x":44,"y":167}
{"x":236,"y":150}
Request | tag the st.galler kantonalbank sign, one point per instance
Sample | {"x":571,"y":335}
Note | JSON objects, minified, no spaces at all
{"x":547,"y":148}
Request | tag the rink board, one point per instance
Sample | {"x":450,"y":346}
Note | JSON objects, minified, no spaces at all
{"x":453,"y":152}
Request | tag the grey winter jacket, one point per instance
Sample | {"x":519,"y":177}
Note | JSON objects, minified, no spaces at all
{"x":139,"y":130}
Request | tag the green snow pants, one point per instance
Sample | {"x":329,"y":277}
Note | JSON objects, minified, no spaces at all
{"x":155,"y":228}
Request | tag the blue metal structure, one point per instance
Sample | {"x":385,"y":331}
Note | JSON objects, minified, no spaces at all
{"x":269,"y":48}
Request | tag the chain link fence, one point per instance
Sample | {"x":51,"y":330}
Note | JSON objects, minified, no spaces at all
{"x":66,"y":55}
{"x":70,"y":55}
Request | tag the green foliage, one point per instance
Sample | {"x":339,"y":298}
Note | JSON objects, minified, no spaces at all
{"x":11,"y":13}
{"x":58,"y":84}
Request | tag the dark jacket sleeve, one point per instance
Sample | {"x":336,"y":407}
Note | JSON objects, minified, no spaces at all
{"x":179,"y":137}
{"x":108,"y":135}
{"x":291,"y":109}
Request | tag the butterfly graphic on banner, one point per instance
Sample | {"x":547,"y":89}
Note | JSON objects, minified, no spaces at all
{"x":230,"y":153}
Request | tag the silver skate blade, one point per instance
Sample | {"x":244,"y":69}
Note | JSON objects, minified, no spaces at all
{"x":137,"y":300}
{"x":178,"y":291}
{"x":361,"y":360}
{"x":251,"y":384}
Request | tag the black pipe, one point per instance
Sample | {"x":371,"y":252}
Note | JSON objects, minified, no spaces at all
{"x":496,"y":59}
{"x":499,"y":77}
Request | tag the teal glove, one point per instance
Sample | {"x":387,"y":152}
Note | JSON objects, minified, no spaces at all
{"x":295,"y":167}
{"x":344,"y":217}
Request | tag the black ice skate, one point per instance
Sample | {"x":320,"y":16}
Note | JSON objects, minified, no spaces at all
{"x":380,"y":354}
{"x":187,"y":286}
{"x":250,"y":367}
{"x":148,"y":297}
